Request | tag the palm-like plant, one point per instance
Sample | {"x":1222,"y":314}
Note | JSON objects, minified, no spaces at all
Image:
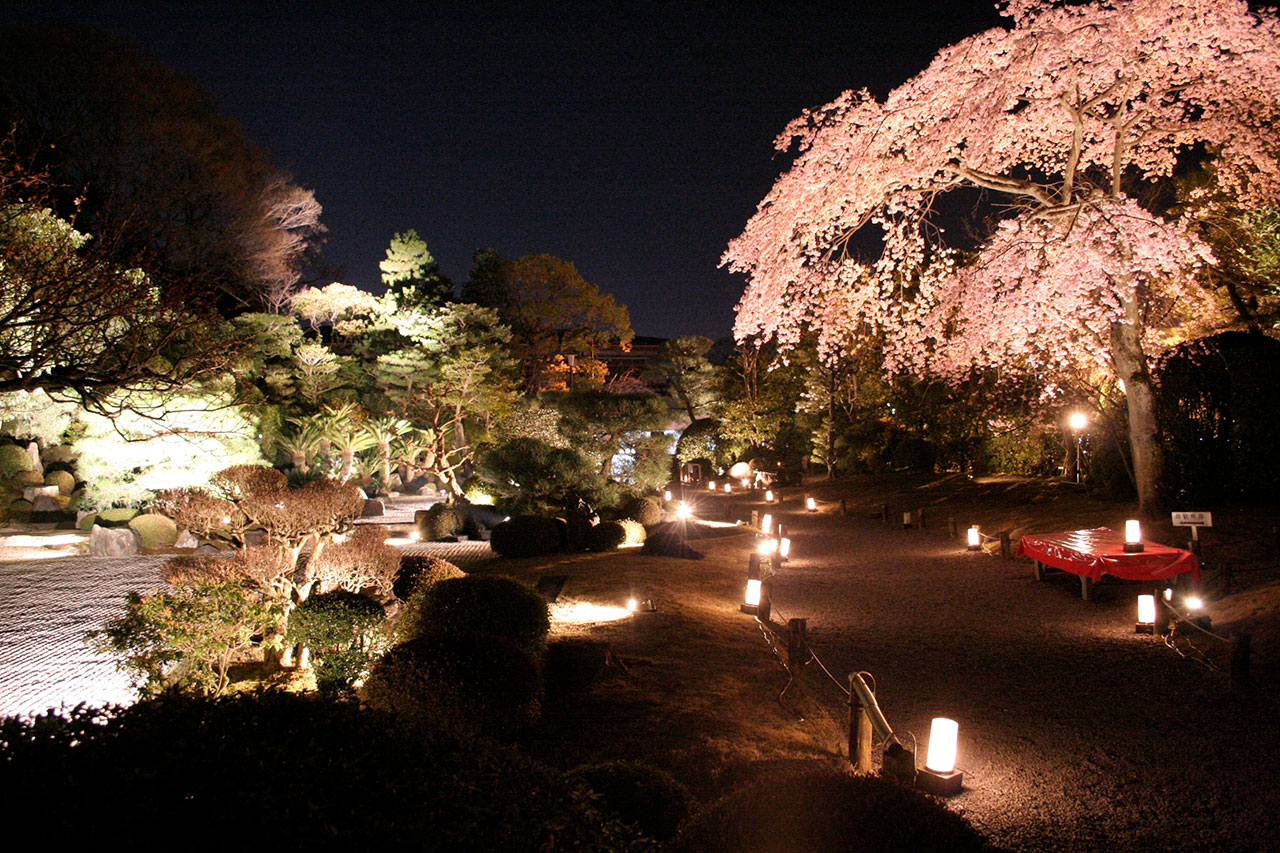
{"x":384,"y":431}
{"x":344,"y":427}
{"x":303,"y":443}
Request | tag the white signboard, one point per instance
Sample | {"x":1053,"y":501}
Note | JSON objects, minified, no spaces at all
{"x":1193,"y":519}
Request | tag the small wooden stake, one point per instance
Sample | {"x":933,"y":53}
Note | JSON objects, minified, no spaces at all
{"x":920,"y":518}
{"x":796,"y":639}
{"x":1240,"y":679}
{"x":859,"y":733}
{"x":1006,"y":545}
{"x":952,"y":530}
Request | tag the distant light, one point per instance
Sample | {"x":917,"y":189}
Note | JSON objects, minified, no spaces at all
{"x":784,"y":547}
{"x":711,"y":485}
{"x":569,"y":612}
{"x":768,"y":496}
{"x":1168,"y":593}
{"x":810,"y":504}
{"x":414,"y":536}
{"x":633,"y":605}
{"x":666,"y":496}
{"x":683,"y":511}
{"x":767,"y":546}
{"x":728,"y":488}
{"x":975,"y":538}
{"x":1194,"y":602}
{"x":766,"y":523}
{"x":1078,"y":421}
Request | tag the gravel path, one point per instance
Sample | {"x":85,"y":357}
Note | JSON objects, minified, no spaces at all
{"x":1075,"y":733}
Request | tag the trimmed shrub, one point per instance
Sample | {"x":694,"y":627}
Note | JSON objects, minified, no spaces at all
{"x":65,"y":482}
{"x":644,"y":510}
{"x":20,"y":511}
{"x":485,"y":604}
{"x":668,"y":540}
{"x":338,"y":628}
{"x":13,"y":460}
{"x":154,"y":530}
{"x":419,"y":571}
{"x":479,"y":681}
{"x":295,"y":772}
{"x":823,"y":811}
{"x":363,"y":562}
{"x":117,"y":516}
{"x":436,"y":523}
{"x":526,"y":536}
{"x":642,"y":796}
{"x":635,"y":532}
{"x":606,"y":536}
{"x":574,"y":663}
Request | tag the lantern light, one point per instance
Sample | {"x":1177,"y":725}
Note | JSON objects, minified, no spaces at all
{"x":753,"y":593}
{"x":810,"y":504}
{"x":666,"y":496}
{"x":1168,"y":593}
{"x":751,"y":600}
{"x":784,"y":547}
{"x":975,"y":538}
{"x":767,"y":546}
{"x":711,"y":485}
{"x":1132,"y":536}
{"x":1194,"y":602}
{"x":768,"y":496}
{"x":1146,"y":623}
{"x":632,"y":604}
{"x":746,"y":484}
{"x":1077,"y":421}
{"x":728,"y":487}
{"x":683,"y":511}
{"x":766,"y":523}
{"x":940,"y":775}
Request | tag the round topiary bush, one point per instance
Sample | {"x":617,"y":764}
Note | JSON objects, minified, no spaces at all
{"x":65,"y":482}
{"x":649,"y":799}
{"x":436,"y":523}
{"x":478,"y":681}
{"x":828,"y":811}
{"x":418,"y":571}
{"x":336,"y":627}
{"x":635,"y":532}
{"x":484,"y":604}
{"x":606,"y":536}
{"x":154,"y":530}
{"x":526,"y":536}
{"x":644,"y":510}
{"x":13,"y":460}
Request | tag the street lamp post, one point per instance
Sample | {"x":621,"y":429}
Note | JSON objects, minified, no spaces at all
{"x":1078,"y":422}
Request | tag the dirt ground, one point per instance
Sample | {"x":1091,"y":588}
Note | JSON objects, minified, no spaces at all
{"x":1076,"y":732}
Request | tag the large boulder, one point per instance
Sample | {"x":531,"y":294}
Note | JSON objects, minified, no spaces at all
{"x":13,"y":460}
{"x":112,"y":542}
{"x":65,"y":482}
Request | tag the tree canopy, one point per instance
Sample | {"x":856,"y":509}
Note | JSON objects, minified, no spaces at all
{"x":1067,"y":119}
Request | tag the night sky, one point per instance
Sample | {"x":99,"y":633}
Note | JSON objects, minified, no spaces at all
{"x":632,"y":139}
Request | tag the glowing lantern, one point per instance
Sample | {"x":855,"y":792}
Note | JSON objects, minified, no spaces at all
{"x":753,"y":592}
{"x":767,"y":546}
{"x":768,"y":496}
{"x":1168,"y":593}
{"x":711,"y":485}
{"x":751,"y":601}
{"x":633,"y":605}
{"x":728,"y":487}
{"x":1194,"y":602}
{"x":1132,"y":536}
{"x":784,"y":547}
{"x":975,"y":538}
{"x":666,"y":496}
{"x":810,"y":504}
{"x":683,"y":511}
{"x":940,"y":775}
{"x":766,"y":523}
{"x":1146,"y":614}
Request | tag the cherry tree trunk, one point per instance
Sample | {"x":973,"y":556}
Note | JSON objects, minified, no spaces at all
{"x":1131,"y":366}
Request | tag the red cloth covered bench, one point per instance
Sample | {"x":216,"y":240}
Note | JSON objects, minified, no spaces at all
{"x":1093,"y":553}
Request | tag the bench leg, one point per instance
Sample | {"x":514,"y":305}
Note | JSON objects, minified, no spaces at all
{"x":1039,"y":570}
{"x":1085,"y":584}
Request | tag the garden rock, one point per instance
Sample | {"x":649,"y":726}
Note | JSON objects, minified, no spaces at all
{"x":112,"y":542}
{"x":30,"y":493}
{"x":33,"y":452}
{"x":154,"y":530}
{"x":186,"y":539}
{"x":373,"y":508}
{"x":13,"y":460}
{"x":46,"y":510}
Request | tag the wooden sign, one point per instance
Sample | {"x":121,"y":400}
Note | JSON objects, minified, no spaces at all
{"x":1193,"y":519}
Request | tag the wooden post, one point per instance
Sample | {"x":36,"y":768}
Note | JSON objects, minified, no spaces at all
{"x":884,"y":513}
{"x":1162,"y":615}
{"x":1226,"y":578}
{"x":766,"y":602}
{"x":907,"y":521}
{"x":755,"y":518}
{"x":920,"y":518}
{"x":844,"y":507}
{"x":1039,"y":570}
{"x":952,"y":530}
{"x":1240,"y":679}
{"x":1085,"y":587}
{"x":796,"y":644}
{"x":859,"y":733}
{"x":1006,"y":545}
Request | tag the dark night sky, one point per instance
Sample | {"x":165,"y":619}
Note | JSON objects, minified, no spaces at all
{"x":632,"y":139}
